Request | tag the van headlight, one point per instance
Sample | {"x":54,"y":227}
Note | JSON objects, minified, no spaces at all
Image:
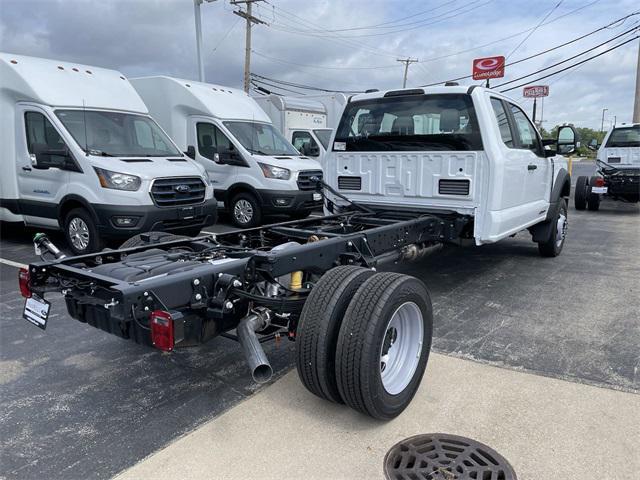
{"x":117,"y":181}
{"x":271,"y":171}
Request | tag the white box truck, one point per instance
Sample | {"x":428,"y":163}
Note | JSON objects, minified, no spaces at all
{"x":79,"y":152}
{"x":254,"y":169}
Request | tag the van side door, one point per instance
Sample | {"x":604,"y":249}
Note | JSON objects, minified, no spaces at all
{"x":537,"y":185}
{"x":40,"y":190}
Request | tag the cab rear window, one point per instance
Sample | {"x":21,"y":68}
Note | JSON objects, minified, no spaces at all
{"x":624,"y":137}
{"x":410,"y":123}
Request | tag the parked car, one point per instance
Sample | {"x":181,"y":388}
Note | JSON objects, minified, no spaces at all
{"x":254,"y":169}
{"x":618,"y":176}
{"x":80,"y":153}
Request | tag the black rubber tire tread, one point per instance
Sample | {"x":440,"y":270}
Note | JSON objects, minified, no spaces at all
{"x":549,"y":248}
{"x":593,"y":199}
{"x":96,"y":243}
{"x":319,"y":327}
{"x":580,"y":196}
{"x":256,"y":220}
{"x":358,"y":344}
{"x":159,"y":237}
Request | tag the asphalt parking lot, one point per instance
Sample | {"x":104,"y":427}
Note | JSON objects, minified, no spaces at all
{"x":79,"y":403}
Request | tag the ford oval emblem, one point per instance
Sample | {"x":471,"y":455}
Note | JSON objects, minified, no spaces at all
{"x":182,"y":188}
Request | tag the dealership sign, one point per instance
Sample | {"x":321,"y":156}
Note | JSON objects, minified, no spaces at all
{"x":536,"y":91}
{"x":489,"y":67}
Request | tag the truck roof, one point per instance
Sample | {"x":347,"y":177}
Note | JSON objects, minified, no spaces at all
{"x":420,"y":90}
{"x":282,"y":103}
{"x":197,"y":98}
{"x":65,"y":84}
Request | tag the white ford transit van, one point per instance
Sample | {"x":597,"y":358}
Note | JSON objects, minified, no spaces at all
{"x":80,"y":153}
{"x":255,"y":171}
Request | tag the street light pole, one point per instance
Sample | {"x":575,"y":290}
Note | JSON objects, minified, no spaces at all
{"x":196,"y":10}
{"x":602,"y":124}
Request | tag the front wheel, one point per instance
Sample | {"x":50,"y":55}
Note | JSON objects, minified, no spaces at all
{"x":384,"y":344}
{"x":81,"y":232}
{"x":245,"y":210}
{"x":553,"y":246}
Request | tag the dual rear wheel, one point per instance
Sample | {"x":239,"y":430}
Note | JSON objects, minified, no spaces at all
{"x":364,"y":339}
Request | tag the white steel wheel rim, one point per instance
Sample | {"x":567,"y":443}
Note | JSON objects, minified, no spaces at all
{"x":243,"y":211}
{"x":401,"y":348}
{"x":79,"y":233}
{"x":561,"y":229}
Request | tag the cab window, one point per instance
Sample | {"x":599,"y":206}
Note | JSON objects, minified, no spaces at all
{"x":526,"y":132}
{"x":210,"y":140}
{"x":40,"y":130}
{"x":503,"y":122}
{"x":304,"y":140}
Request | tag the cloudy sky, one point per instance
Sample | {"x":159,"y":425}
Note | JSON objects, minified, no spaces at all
{"x":347,"y":44}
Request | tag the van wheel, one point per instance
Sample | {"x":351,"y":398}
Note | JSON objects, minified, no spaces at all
{"x":319,"y":327}
{"x":81,"y":232}
{"x":553,"y":246}
{"x":245,"y":210}
{"x":154,"y":237}
{"x":384,"y":344}
{"x":580,"y":198}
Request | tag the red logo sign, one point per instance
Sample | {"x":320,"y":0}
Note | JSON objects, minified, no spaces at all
{"x":535,"y":91}
{"x":490,"y":67}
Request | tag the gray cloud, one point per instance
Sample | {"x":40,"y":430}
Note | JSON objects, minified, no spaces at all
{"x":143,"y":37}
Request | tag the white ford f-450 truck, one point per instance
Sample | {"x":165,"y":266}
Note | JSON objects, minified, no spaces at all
{"x":407,"y":170}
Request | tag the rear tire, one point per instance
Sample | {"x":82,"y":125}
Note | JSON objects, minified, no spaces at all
{"x":387,"y":327}
{"x":154,"y":237}
{"x":245,"y":210}
{"x":319,"y":327}
{"x":593,"y":201}
{"x":580,"y":197}
{"x":553,"y":246}
{"x":81,"y":232}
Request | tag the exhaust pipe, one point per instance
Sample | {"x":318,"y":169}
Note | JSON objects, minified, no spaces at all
{"x":259,"y":365}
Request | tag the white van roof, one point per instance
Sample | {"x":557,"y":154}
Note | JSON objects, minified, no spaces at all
{"x":65,"y":84}
{"x":197,"y":98}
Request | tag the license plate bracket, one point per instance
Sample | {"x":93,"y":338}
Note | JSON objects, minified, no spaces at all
{"x":36,"y":311}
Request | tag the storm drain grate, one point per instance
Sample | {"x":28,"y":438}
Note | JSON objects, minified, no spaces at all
{"x":438,"y":456}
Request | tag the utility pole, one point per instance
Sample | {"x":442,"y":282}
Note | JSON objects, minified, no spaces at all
{"x":602,"y":124}
{"x":406,"y":62}
{"x":196,"y":7}
{"x":247,"y":52}
{"x":636,"y":105}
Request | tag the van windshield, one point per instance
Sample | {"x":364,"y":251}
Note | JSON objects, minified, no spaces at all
{"x":261,"y":138}
{"x":324,"y":135}
{"x":409,"y":123}
{"x":624,"y":137}
{"x":115,"y":134}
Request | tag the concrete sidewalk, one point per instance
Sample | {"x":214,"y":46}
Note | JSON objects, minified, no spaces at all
{"x":546,"y":428}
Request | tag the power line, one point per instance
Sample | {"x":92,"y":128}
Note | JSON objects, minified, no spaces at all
{"x":534,"y":29}
{"x":261,"y":78}
{"x":570,"y":66}
{"x":464,"y":77}
{"x":323,"y":67}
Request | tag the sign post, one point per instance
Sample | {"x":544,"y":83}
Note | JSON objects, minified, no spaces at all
{"x":535,"y":92}
{"x":487,"y":68}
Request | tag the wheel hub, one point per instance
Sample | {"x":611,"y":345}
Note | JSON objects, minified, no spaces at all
{"x":243,"y":211}
{"x":79,"y":233}
{"x":561,"y":229}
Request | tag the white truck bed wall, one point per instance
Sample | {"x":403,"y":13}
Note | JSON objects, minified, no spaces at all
{"x":56,"y":84}
{"x":173,"y":100}
{"x":333,"y":103}
{"x":290,"y":113}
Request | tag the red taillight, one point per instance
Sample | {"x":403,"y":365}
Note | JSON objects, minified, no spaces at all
{"x":599,"y":182}
{"x":23,"y":280}
{"x":161,"y":330}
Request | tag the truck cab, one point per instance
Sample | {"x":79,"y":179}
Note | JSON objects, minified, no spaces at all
{"x":81,"y":154}
{"x":465,"y":150}
{"x":255,"y":171}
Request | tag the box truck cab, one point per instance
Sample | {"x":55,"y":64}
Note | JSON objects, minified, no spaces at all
{"x":80,"y":153}
{"x":254,"y":169}
{"x":302,"y":121}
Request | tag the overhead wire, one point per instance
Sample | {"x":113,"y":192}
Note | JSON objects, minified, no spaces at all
{"x":534,"y":29}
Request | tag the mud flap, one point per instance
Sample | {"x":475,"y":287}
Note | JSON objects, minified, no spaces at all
{"x":542,"y":231}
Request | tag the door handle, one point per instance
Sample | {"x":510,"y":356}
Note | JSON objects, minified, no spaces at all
{"x":531,"y":167}
{"x":26,"y":169}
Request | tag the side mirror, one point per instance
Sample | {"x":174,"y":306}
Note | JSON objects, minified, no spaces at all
{"x":593,"y":145}
{"x":46,"y":157}
{"x":228,"y":156}
{"x":310,"y":150}
{"x":191,"y":152}
{"x":567,"y":140}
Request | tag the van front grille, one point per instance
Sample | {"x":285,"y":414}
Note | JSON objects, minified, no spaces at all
{"x":453,"y":187}
{"x":178,"y":191}
{"x":349,"y":183}
{"x":305,"y":181}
